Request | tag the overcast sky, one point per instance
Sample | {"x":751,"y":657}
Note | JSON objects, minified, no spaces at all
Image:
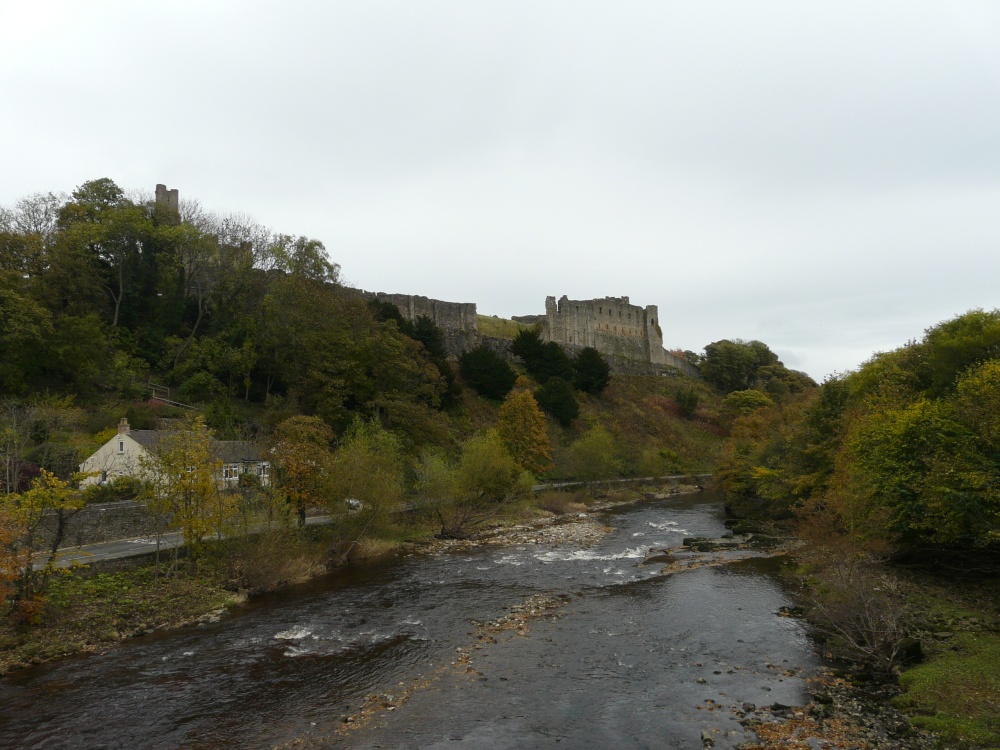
{"x":823,"y":177}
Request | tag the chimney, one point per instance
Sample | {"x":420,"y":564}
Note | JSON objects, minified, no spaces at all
{"x":123,"y":428}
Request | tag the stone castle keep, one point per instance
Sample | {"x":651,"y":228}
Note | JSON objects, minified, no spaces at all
{"x":611,"y":325}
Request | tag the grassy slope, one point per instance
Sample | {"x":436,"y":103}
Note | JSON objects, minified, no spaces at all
{"x":499,"y":328}
{"x":641,"y":413}
{"x":642,"y":416}
{"x":956,"y":690}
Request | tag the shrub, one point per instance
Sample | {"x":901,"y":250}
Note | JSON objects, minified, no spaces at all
{"x":687,"y":399}
{"x":117,"y":490}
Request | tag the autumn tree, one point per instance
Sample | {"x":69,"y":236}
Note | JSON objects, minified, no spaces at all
{"x":21,"y":519}
{"x":185,"y":470}
{"x":522,"y":428}
{"x":300,"y":449}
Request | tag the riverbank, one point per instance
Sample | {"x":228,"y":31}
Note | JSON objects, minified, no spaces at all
{"x":943,"y":690}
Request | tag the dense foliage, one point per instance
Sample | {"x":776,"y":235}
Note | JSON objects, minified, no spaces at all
{"x":486,"y":372}
{"x":735,"y":365}
{"x":588,"y":370}
{"x":904,"y":453}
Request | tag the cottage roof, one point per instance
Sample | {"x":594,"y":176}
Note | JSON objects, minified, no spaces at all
{"x":227,"y":451}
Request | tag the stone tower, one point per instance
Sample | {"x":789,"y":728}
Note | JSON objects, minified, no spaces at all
{"x":168,"y":198}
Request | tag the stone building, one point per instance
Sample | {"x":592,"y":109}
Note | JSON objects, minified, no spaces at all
{"x":456,"y":319}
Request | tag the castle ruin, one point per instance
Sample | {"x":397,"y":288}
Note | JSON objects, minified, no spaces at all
{"x":628,"y":335}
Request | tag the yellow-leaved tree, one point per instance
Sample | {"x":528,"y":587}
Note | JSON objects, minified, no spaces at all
{"x":523,"y":430}
{"x":21,"y":521}
{"x":185,"y":470}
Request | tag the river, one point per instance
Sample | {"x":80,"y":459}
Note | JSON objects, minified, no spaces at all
{"x":423,"y":652}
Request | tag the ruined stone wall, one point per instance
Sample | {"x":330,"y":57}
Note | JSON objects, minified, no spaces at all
{"x":456,"y":319}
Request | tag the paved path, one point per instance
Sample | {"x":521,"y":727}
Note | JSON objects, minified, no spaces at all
{"x":125,"y":548}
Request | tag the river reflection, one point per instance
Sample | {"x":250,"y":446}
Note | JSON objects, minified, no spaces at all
{"x":634,"y":659}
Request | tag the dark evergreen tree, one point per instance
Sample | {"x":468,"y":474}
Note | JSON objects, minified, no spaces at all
{"x":591,"y":371}
{"x":558,"y":399}
{"x":528,"y":345}
{"x":487,"y":373}
{"x":542,"y":360}
{"x":428,"y":333}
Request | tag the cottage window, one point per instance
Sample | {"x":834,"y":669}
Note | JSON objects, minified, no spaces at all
{"x":231,"y":471}
{"x":121,"y":446}
{"x":265,"y":469}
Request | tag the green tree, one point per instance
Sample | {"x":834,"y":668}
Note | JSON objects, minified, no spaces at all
{"x":486,"y":480}
{"x":742,"y":403}
{"x":368,"y":466}
{"x":733,"y":365}
{"x":592,"y":456}
{"x":487,"y":373}
{"x":592,"y":372}
{"x":687,"y":400}
{"x":527,"y":345}
{"x":543,"y":360}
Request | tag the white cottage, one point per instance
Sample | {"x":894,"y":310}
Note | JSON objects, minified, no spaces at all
{"x":131,"y":452}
